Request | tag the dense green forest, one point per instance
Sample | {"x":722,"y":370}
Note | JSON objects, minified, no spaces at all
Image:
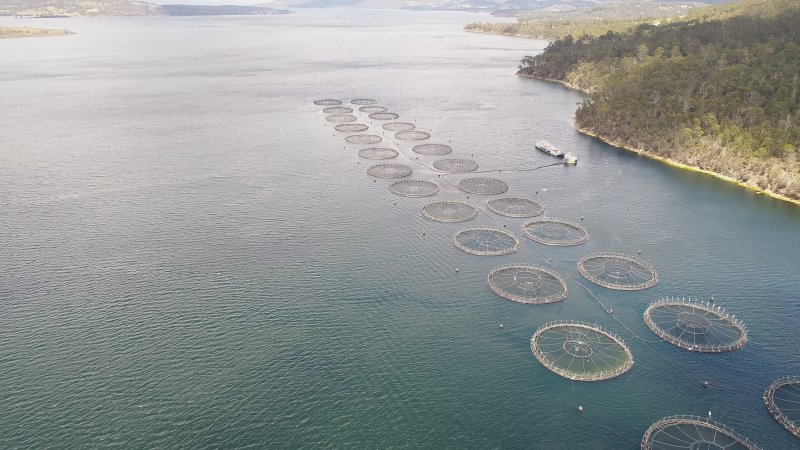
{"x":719,"y":91}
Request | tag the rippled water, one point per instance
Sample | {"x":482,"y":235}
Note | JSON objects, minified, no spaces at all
{"x":191,"y":257}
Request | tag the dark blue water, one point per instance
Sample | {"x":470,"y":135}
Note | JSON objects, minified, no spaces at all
{"x":191,"y":257}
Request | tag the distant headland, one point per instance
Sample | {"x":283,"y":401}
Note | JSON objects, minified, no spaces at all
{"x":19,"y":32}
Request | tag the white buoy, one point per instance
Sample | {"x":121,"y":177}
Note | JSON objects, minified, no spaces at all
{"x":501,"y":326}
{"x":640,"y":252}
{"x":456,"y":269}
{"x":611,"y":311}
{"x":580,"y":408}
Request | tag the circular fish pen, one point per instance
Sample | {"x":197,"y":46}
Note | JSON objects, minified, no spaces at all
{"x":337,"y":110}
{"x":341,"y":118}
{"x":618,"y":271}
{"x":524,"y":283}
{"x":398,"y":126}
{"x":449,"y":211}
{"x":580,"y":351}
{"x":414,"y":188}
{"x":783,"y":402}
{"x":486,"y":242}
{"x":364,"y":139}
{"x":693,"y":433}
{"x":412,"y":135}
{"x":390,"y":171}
{"x":695,"y":326}
{"x":351,"y":127}
{"x":455,"y":165}
{"x":557,"y":232}
{"x":432,"y":149}
{"x":516,"y":207}
{"x":378,"y":153}
{"x":363,"y":101}
{"x":482,"y":186}
{"x":383,"y":116}
{"x":372,"y":109}
{"x":327,"y":102}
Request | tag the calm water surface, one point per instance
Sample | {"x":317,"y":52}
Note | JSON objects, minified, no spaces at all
{"x":190,"y":256}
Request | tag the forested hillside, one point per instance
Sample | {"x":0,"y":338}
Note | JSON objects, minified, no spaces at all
{"x":719,"y":91}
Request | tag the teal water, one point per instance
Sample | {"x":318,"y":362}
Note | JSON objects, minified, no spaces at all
{"x":190,"y":256}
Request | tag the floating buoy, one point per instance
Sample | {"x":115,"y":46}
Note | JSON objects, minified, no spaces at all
{"x":501,"y":326}
{"x":705,"y":384}
{"x":395,"y":203}
{"x":581,"y":217}
{"x":423,"y":233}
{"x":639,"y":251}
{"x":456,"y":269}
{"x":712,"y":299}
{"x":580,"y":408}
{"x":611,"y":311}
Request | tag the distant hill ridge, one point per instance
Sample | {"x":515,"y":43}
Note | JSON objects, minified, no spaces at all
{"x":69,"y":8}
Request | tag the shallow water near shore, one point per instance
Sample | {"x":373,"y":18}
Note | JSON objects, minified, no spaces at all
{"x":191,"y":257}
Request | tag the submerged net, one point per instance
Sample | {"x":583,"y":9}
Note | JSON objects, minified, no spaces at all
{"x":783,"y":402}
{"x":337,"y":110}
{"x":351,"y":127}
{"x":390,"y":171}
{"x":618,"y":271}
{"x":695,"y":326}
{"x":516,"y":207}
{"x":378,"y":153}
{"x":449,"y":211}
{"x":557,"y":232}
{"x":528,"y":284}
{"x":341,"y":118}
{"x":398,"y":126}
{"x":456,"y":165}
{"x":364,"y":139}
{"x":414,"y":188}
{"x":412,"y":135}
{"x":580,"y":351}
{"x":372,"y":109}
{"x":693,"y":433}
{"x":432,"y":149}
{"x":486,"y":242}
{"x":482,"y":186}
{"x":327,"y":102}
{"x":363,"y":101}
{"x":383,"y":116}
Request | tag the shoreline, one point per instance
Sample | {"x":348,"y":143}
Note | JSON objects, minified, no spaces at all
{"x":524,"y":36}
{"x":26,"y":32}
{"x":667,"y":161}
